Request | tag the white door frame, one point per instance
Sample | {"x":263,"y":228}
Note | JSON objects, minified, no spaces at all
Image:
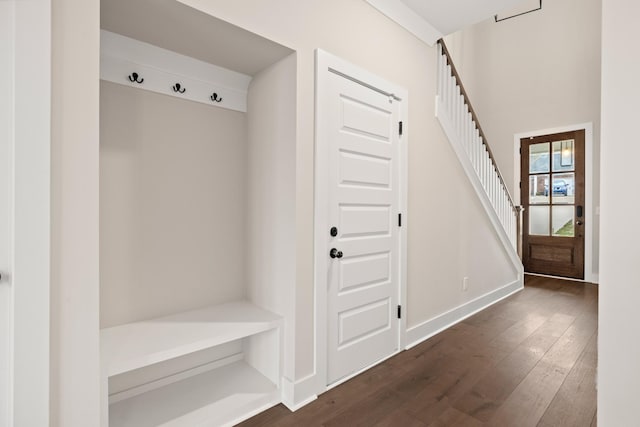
{"x":28,"y":138}
{"x":589,"y":275}
{"x":324,"y":63}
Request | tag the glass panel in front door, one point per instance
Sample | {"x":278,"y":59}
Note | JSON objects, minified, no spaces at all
{"x":539,"y":220}
{"x":539,"y":158}
{"x":562,"y":221}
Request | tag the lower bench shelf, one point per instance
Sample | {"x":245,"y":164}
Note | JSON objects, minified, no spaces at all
{"x":241,"y":385}
{"x":221,"y":397}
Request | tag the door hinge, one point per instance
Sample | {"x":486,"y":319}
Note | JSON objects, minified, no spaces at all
{"x":520,"y":150}
{"x":399,"y":312}
{"x":399,"y":220}
{"x":520,"y":184}
{"x":400,"y":128}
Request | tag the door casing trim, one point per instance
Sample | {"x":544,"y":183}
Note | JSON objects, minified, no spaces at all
{"x":325,"y":64}
{"x":589,"y":275}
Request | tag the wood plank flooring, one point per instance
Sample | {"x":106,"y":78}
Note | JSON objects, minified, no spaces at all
{"x":529,"y":360}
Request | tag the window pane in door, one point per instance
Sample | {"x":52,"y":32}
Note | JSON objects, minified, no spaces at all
{"x":563,"y":156}
{"x":563,"y":189}
{"x":562,"y":221}
{"x":539,"y":157}
{"x":539,"y":220}
{"x":539,"y":189}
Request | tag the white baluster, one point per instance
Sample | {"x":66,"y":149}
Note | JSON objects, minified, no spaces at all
{"x":486,"y":168}
{"x":452,"y":93}
{"x":469,"y":132}
{"x":493,"y":186}
{"x":481,"y":161}
{"x":439,"y":72}
{"x":456,"y":109}
{"x":445,"y":86}
{"x":477,"y":148}
{"x":461,"y":109}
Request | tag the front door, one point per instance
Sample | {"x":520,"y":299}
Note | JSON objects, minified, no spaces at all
{"x":553,"y":193}
{"x":363,"y":239}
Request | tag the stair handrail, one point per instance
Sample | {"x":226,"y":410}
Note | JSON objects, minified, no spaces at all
{"x":474,"y":116}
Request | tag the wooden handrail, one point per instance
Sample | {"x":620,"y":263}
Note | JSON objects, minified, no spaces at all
{"x":474,"y":116}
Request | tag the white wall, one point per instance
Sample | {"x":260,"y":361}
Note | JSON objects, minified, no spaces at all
{"x":618,"y":344}
{"x":271,"y":208}
{"x":536,"y":71}
{"x":441,"y":202}
{"x":172,"y":204}
{"x":75,"y":365}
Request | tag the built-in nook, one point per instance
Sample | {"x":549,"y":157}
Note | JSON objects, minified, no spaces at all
{"x":197,"y":206}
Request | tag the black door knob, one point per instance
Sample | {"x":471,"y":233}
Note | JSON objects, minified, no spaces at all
{"x":334,"y":253}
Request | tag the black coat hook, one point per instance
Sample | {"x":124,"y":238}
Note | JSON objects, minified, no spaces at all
{"x":134,"y":78}
{"x":176,"y":88}
{"x":215,"y":98}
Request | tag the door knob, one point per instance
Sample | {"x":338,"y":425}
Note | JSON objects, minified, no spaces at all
{"x":579,"y":222}
{"x":334,"y":253}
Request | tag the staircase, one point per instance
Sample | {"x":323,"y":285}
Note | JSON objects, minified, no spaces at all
{"x":460,"y":124}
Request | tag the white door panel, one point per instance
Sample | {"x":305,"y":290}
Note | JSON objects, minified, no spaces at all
{"x":361,"y":322}
{"x":364,"y":170}
{"x":364,"y":220}
{"x":363,"y":203}
{"x":366,"y":116}
{"x":364,"y":270}
{"x":354,"y":142}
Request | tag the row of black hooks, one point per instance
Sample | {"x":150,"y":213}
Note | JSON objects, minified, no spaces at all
{"x":178,"y":88}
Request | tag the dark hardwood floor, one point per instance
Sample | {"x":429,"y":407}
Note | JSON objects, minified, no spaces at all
{"x":529,"y":360}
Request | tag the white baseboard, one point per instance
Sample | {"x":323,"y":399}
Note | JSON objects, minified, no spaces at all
{"x":593,"y":278}
{"x":297,"y":394}
{"x":417,"y":334}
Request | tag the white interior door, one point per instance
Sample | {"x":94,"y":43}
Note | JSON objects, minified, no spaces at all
{"x":363,"y":201}
{"x":6,"y":124}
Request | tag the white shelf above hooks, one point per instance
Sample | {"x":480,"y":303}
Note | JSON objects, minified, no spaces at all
{"x":163,"y":71}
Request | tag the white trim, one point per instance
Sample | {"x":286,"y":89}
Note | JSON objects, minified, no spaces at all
{"x":403,"y":15}
{"x":7,"y":103}
{"x":297,"y":394}
{"x":569,"y":279}
{"x":425,"y":330}
{"x":589,"y":275}
{"x":161,"y":69}
{"x":30,"y":269}
{"x":324,"y":63}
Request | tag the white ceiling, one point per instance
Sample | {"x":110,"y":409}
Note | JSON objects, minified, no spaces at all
{"x":449,"y":16}
{"x":179,"y":28}
{"x":431,"y":19}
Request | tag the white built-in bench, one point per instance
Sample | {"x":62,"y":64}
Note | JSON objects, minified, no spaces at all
{"x":222,"y":393}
